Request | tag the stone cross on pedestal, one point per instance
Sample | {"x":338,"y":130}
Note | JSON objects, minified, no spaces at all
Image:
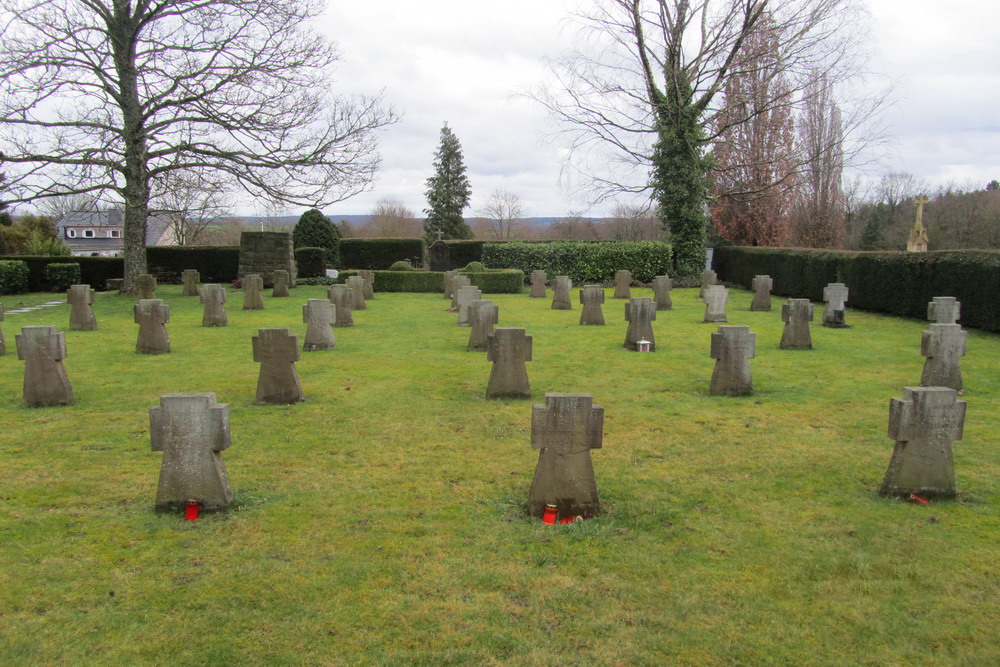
{"x":592,"y":296}
{"x":923,"y":423}
{"x":253,"y":288}
{"x":661,"y":292}
{"x":340,"y":297}
{"x":640,"y":313}
{"x":357,"y":285}
{"x":796,"y":314}
{"x":81,"y":308}
{"x":762,"y":286}
{"x":368,"y":287}
{"x":319,"y":314}
{"x":42,"y":350}
{"x":465,"y":297}
{"x":732,"y":348}
{"x":538,"y":279}
{"x":508,"y":349}
{"x":3,"y":343}
{"x":835,"y":295}
{"x":708,"y":278}
{"x":564,"y":430}
{"x":449,"y":276}
{"x":944,"y":310}
{"x":440,"y":234}
{"x":716,"y":297}
{"x":152,"y":316}
{"x":282,"y":280}
{"x":561,"y":287}
{"x":145,"y":286}
{"x":457,"y":283}
{"x":917,"y":241}
{"x":191,"y":430}
{"x":277,"y":350}
{"x":190,"y":279}
{"x":483,"y":316}
{"x":944,"y":347}
{"x":214,"y":313}
{"x":623,"y":283}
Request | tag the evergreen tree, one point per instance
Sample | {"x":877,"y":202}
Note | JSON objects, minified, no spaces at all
{"x":448,"y":192}
{"x":314,"y":230}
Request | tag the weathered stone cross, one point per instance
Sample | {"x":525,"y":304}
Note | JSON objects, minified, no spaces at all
{"x":277,"y":350}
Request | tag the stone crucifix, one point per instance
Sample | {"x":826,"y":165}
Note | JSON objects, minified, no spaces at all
{"x":762,"y":286}
{"x":191,"y":430}
{"x":145,"y":286}
{"x":561,"y":299}
{"x":368,"y":288}
{"x":253,"y":288}
{"x":640,"y":313}
{"x":81,"y":308}
{"x":716,"y":297}
{"x":357,"y":285}
{"x":943,"y":345}
{"x":152,"y":316}
{"x":340,"y":297}
{"x":320,"y":315}
{"x":592,"y":296}
{"x":835,"y":311}
{"x":214,"y":312}
{"x":277,"y":350}
{"x":42,"y":350}
{"x":508,"y":348}
{"x":796,"y":314}
{"x":917,"y":240}
{"x":190,"y":279}
{"x":661,"y":292}
{"x":282,"y":281}
{"x":944,"y":310}
{"x":733,"y":347}
{"x":483,"y":317}
{"x":564,"y":430}
{"x":466,"y":295}
{"x":538,"y":279}
{"x":623,"y":284}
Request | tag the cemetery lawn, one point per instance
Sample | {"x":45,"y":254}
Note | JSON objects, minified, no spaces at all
{"x":382,"y":519}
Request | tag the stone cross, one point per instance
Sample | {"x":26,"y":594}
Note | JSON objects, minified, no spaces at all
{"x":917,"y":240}
{"x":483,"y":316}
{"x":732,"y":347}
{"x":944,"y":310}
{"x":277,"y":350}
{"x":449,"y":276}
{"x":281,"y":283}
{"x":3,"y":343}
{"x":716,"y":298}
{"x":440,"y":234}
{"x":190,"y":279}
{"x":623,"y":282}
{"x":640,"y":313}
{"x":357,"y":285}
{"x":369,"y":284}
{"x":340,"y":297}
{"x":81,"y":308}
{"x":661,"y":292}
{"x":944,"y":347}
{"x":924,"y":423}
{"x":835,"y":295}
{"x":508,"y":349}
{"x":439,"y":256}
{"x":214,"y":313}
{"x":538,"y":279}
{"x":561,"y":287}
{"x":465,"y":297}
{"x":762,"y":286}
{"x":253,"y":288}
{"x":320,"y":315}
{"x":145,"y":285}
{"x":708,"y":278}
{"x":796,"y":314}
{"x":191,"y":430}
{"x":564,"y":430}
{"x":152,"y":316}
{"x":457,"y":283}
{"x":592,"y":296}
{"x":42,"y":350}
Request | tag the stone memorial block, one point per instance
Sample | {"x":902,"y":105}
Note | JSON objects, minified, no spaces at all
{"x":508,"y":349}
{"x":564,"y":430}
{"x":253,"y":292}
{"x":623,"y":282}
{"x":483,"y":316}
{"x":152,"y":316}
{"x":262,"y":253}
{"x":732,"y":348}
{"x":716,"y":298}
{"x":191,"y":430}
{"x":923,"y":423}
{"x":449,"y":277}
{"x":592,"y":296}
{"x":42,"y":350}
{"x":944,"y":347}
{"x":561,"y":287}
{"x":114,"y":284}
{"x":708,"y":278}
{"x":466,"y":296}
{"x":796,"y":314}
{"x":538,"y":279}
{"x":190,"y":279}
{"x":81,"y":308}
{"x":281,"y":283}
{"x":369,"y":284}
{"x":835,"y":295}
{"x":661,"y":292}
{"x":357,"y":285}
{"x":319,"y":314}
{"x":640,"y":313}
{"x":214,"y":312}
{"x":277,"y":350}
{"x":457,"y":283}
{"x":944,"y":310}
{"x":145,"y":286}
{"x":340,"y":297}
{"x":762,"y":286}
{"x":3,"y":343}
{"x":439,"y":256}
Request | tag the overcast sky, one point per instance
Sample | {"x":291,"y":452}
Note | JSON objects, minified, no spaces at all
{"x":464,"y":61}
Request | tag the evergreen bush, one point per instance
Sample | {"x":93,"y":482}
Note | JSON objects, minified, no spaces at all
{"x":401,"y":265}
{"x":311,"y":262}
{"x":14,"y":277}
{"x":60,"y":275}
{"x":315,"y":230}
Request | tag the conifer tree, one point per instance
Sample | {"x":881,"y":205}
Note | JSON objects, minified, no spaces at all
{"x":315,"y":230}
{"x":448,"y":191}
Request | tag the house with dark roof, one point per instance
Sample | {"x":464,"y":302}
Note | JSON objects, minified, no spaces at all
{"x":99,"y":233}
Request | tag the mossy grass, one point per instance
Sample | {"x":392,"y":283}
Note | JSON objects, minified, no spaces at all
{"x":382,"y":520}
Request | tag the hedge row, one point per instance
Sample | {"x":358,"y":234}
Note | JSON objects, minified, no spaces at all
{"x":379,"y":254}
{"x":490,"y":282}
{"x":13,"y":277}
{"x":310,"y":262}
{"x":583,"y":262}
{"x":216,"y":264}
{"x":460,"y":253}
{"x":94,"y":271}
{"x":900,"y":283}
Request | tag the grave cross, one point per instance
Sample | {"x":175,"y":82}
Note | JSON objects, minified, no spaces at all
{"x":623,"y":283}
{"x":762,"y":286}
{"x":508,"y":348}
{"x":368,"y":287}
{"x":214,"y":312}
{"x":253,"y":287}
{"x":483,"y":316}
{"x":466,"y":295}
{"x":277,"y":350}
{"x":190,"y":278}
{"x":145,"y":285}
{"x":592,"y":296}
{"x":716,"y":297}
{"x":449,"y":277}
{"x":796,"y":314}
{"x":282,"y":280}
{"x":42,"y":350}
{"x":708,"y":278}
{"x":661,"y":292}
{"x":538,"y":279}
{"x":457,"y":283}
{"x":152,"y":316}
{"x":835,"y":295}
{"x":357,"y":285}
{"x":561,"y":287}
{"x":944,"y":310}
{"x":733,"y":347}
{"x":81,"y":308}
{"x":640,"y":313}
{"x":340,"y":297}
{"x":944,"y":347}
{"x":320,"y":315}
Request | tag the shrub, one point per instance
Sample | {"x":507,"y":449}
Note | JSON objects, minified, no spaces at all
{"x":94,"y":271}
{"x":14,"y":277}
{"x":42,"y":245}
{"x":311,"y":262}
{"x":460,"y":253}
{"x":583,"y":262}
{"x":315,"y":230}
{"x":61,"y":275}
{"x":380,"y":254}
{"x":216,"y":264}
{"x":322,"y":280}
{"x":401,"y":265}
{"x":496,"y":281}
{"x":475,"y":266}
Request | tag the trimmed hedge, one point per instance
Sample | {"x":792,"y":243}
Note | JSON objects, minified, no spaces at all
{"x":490,"y":282}
{"x":582,"y":261}
{"x":13,"y":277}
{"x":311,"y":262}
{"x":94,"y":271}
{"x":379,"y":254}
{"x":460,"y":253}
{"x":61,"y":275}
{"x":900,"y":283}
{"x":216,"y":264}
{"x":503,"y":281}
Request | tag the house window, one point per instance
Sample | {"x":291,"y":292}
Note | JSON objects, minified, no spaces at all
{"x":115,"y":233}
{"x":71,"y":233}
{"x":88,"y":233}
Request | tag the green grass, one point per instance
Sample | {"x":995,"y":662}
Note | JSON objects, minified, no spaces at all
{"x":381,"y":520}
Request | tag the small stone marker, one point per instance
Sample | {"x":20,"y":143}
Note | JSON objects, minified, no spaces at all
{"x":592,"y":296}
{"x":145,"y":286}
{"x":640,"y":313}
{"x":508,"y":349}
{"x":661,"y":292}
{"x":152,"y":316}
{"x":466,"y":296}
{"x":340,"y":297}
{"x":708,"y":278}
{"x":190,"y":279}
{"x":191,"y":430}
{"x":281,"y":283}
{"x":944,"y":347}
{"x":944,"y":310}
{"x":716,"y":298}
{"x":369,"y":284}
{"x":623,"y":282}
{"x":81,"y":308}
{"x":924,"y":422}
{"x":835,"y":295}
{"x":42,"y":350}
{"x":114,"y":284}
{"x":439,"y":256}
{"x":762,"y":286}
{"x":538,"y":279}
{"x":449,"y":277}
{"x":564,"y":430}
{"x":796,"y":314}
{"x":277,"y":350}
{"x":733,"y":347}
{"x":561,"y":287}
{"x":357,"y":285}
{"x":457,"y":283}
{"x":319,"y":314}
{"x":483,"y":316}
{"x":214,"y":312}
{"x":3,"y":343}
{"x":253,"y":288}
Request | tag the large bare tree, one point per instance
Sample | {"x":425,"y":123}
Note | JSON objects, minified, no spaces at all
{"x":504,"y":213}
{"x":191,"y":203}
{"x":112,"y":96}
{"x":391,"y":218}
